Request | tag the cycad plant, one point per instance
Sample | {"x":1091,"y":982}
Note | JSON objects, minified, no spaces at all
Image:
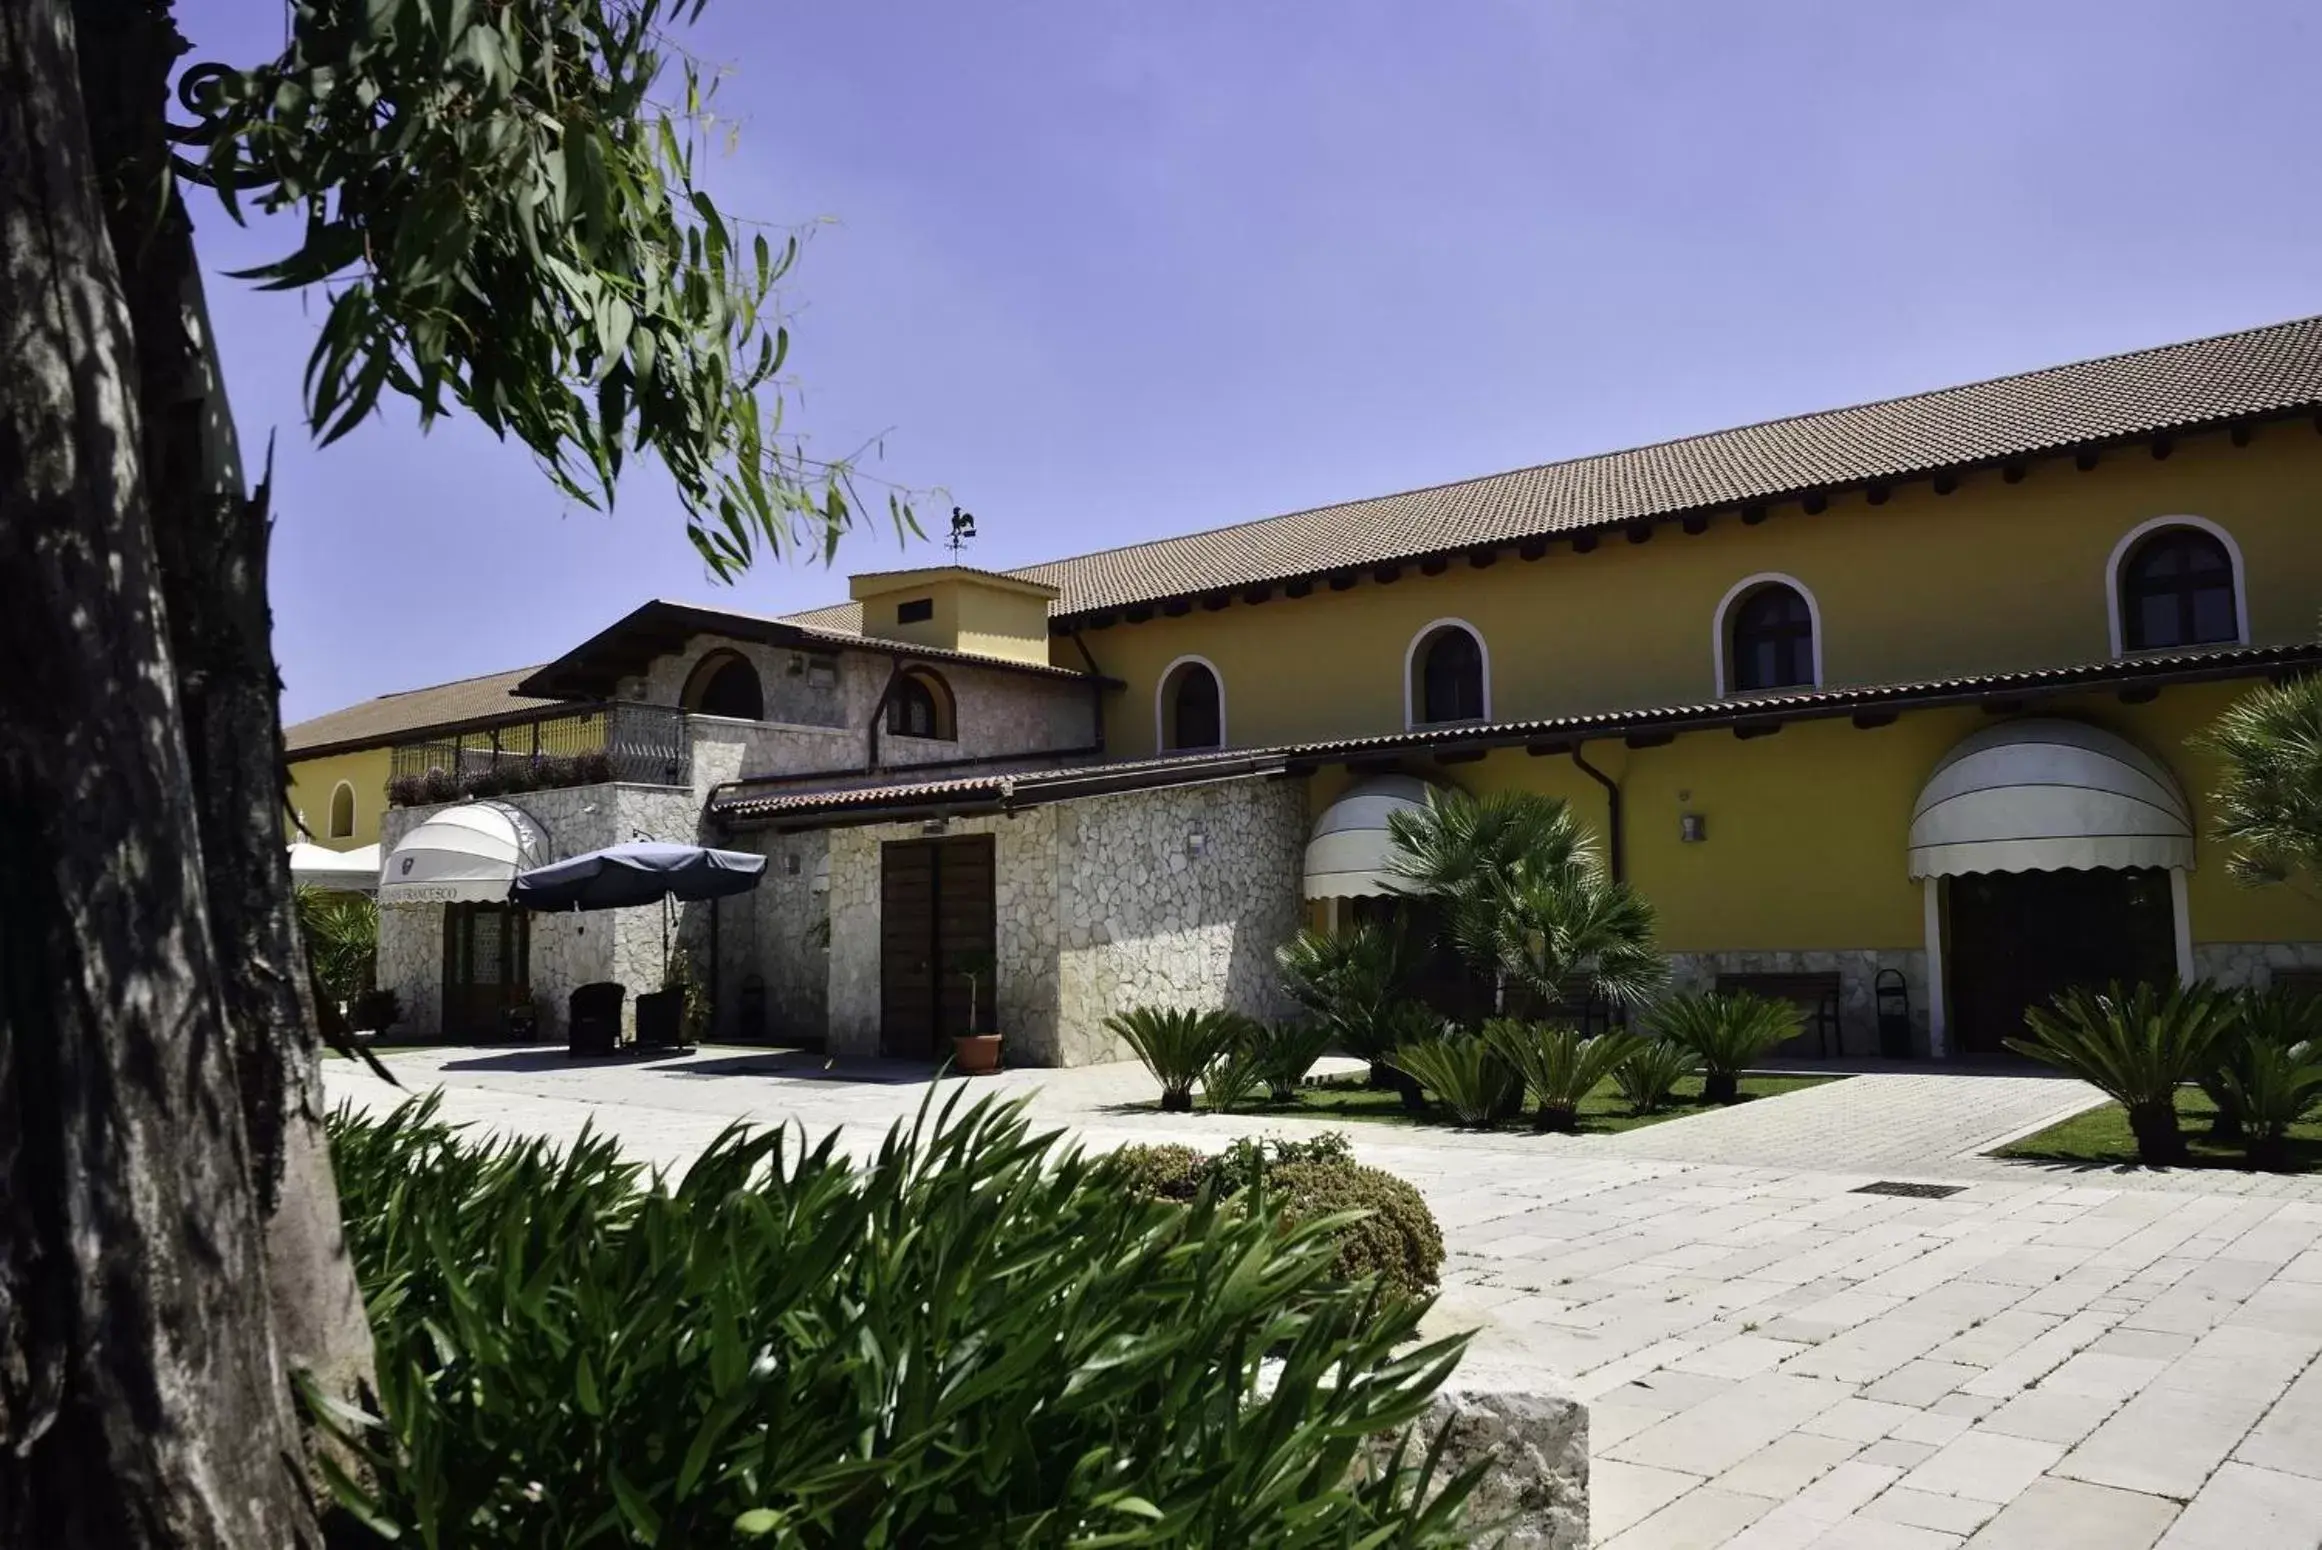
{"x":1399,"y":1026}
{"x":1727,"y":1032}
{"x":2137,"y":1047}
{"x":1236,"y":1076}
{"x":1465,"y":1074}
{"x":1349,"y":982}
{"x":2270,"y":1016}
{"x":1177,"y":1046}
{"x":1652,"y":1071}
{"x":1559,"y":1067}
{"x":1286,"y":1051}
{"x":2273,"y":1086}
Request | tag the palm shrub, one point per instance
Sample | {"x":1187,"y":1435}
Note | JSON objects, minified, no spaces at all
{"x":1176,"y":1045}
{"x":2269,"y":1016}
{"x":1558,"y":1067}
{"x":342,"y":940}
{"x":1465,"y":1074}
{"x":1403,"y":1025}
{"x":1236,"y":1076}
{"x":2269,"y":802}
{"x":976,"y":1338}
{"x":2274,"y":1086}
{"x":1727,"y":1032}
{"x":1652,"y":1071}
{"x":2137,"y":1047}
{"x":1286,"y":1051}
{"x":1349,"y":982}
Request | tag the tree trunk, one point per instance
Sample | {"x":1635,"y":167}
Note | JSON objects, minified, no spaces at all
{"x":1721,"y":1086}
{"x":142,"y":1395}
{"x":2159,"y":1142}
{"x":211,"y":540}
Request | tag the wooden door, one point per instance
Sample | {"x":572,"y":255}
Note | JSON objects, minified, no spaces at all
{"x":487,"y":951}
{"x":935,"y":909}
{"x":2017,"y":938}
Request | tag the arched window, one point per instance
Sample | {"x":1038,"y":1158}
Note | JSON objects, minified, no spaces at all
{"x":919,"y":705}
{"x":1773,"y":640}
{"x":1766,"y":634}
{"x":2178,"y":587}
{"x":725,"y":684}
{"x":1448,"y":675}
{"x":1190,"y":706}
{"x":342,"y":812}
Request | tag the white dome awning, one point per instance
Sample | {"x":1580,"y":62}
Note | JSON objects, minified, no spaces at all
{"x":335,"y":871}
{"x":2046,"y":795}
{"x":1346,"y":857}
{"x":468,"y":854}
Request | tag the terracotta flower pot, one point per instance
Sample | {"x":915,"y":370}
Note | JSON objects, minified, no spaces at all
{"x":975,"y":1054}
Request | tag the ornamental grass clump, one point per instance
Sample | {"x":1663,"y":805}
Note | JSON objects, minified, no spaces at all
{"x":2137,"y":1047}
{"x":977,"y":1338}
{"x":1651,"y":1073}
{"x":1465,"y":1074}
{"x":1558,"y":1067}
{"x":1728,"y":1032}
{"x":1177,"y":1046}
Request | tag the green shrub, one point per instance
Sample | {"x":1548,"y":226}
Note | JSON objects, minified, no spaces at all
{"x":2138,"y":1046}
{"x":1465,"y":1074}
{"x":1652,"y":1071}
{"x":976,"y":1339}
{"x":1557,"y":1065}
{"x":1286,"y":1052}
{"x":1398,"y":1241}
{"x":1176,"y":1045}
{"x":2274,"y":1017}
{"x":1727,"y":1033}
{"x":1236,"y":1077}
{"x":2272,"y":1084}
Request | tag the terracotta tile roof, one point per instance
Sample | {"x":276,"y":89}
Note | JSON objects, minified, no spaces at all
{"x":391,"y":717}
{"x":2260,"y":371}
{"x":805,"y":804}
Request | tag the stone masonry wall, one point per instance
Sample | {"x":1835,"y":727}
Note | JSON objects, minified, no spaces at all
{"x":1101,"y":905}
{"x":2236,"y":964}
{"x":1857,"y":970}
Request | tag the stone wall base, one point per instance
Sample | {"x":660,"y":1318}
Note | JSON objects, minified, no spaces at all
{"x":1857,"y":970}
{"x":2238,"y":964}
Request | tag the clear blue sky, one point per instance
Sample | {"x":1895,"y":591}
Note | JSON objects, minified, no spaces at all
{"x":1110,"y":271}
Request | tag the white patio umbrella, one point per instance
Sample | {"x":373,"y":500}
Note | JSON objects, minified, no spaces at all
{"x":338,"y":871}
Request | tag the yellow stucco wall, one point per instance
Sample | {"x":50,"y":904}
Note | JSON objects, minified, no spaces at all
{"x":313,"y":780}
{"x":1990,"y":578}
{"x":1807,"y":828}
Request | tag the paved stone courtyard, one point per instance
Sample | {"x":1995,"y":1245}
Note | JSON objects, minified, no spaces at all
{"x":2048,"y":1359}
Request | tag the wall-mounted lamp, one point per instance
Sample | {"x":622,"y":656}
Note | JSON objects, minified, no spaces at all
{"x":935,"y":826}
{"x":1692,"y":828}
{"x":1196,"y":844}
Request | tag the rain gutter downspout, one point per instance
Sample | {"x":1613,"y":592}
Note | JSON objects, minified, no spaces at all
{"x":878,"y":714}
{"x":1612,"y":805}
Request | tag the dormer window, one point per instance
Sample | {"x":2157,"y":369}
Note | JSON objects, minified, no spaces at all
{"x":2177,"y":590}
{"x":1447,"y":675}
{"x":917,"y":610}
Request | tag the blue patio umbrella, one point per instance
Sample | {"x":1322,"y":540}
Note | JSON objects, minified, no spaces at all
{"x":643,"y":872}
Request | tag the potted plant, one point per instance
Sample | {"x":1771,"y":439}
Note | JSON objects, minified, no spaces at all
{"x":977,"y":1051}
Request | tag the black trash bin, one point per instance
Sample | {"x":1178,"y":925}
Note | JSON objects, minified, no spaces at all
{"x":661,"y":1019}
{"x":593,"y":1026}
{"x":1893,"y":994}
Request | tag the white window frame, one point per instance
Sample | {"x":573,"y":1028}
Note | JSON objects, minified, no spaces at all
{"x":1161,"y":692}
{"x":1721,"y":640}
{"x":354,"y":813}
{"x":2119,"y":557}
{"x":1411,"y":698}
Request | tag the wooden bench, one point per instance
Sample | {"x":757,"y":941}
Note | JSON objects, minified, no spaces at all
{"x":1815,"y":995}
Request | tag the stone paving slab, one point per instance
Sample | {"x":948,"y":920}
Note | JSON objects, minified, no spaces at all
{"x":1773,"y":1360}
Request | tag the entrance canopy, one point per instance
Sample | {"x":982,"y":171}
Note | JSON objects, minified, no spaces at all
{"x":2045,"y":795}
{"x":1347,"y":856}
{"x":468,"y":854}
{"x":645,"y":872}
{"x":336,"y":871}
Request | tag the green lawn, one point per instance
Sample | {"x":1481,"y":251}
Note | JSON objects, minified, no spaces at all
{"x":1601,"y":1112}
{"x":2100,"y":1137}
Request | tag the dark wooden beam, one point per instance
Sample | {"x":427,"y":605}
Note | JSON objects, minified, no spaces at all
{"x":1532,"y":549}
{"x":1745,"y":730}
{"x":1434,"y":565}
{"x":2239,"y":435}
{"x":1387,"y":575}
{"x":1137,"y":615}
{"x":1483,"y":559}
{"x":1263,"y":592}
{"x":1946,"y":482}
{"x":2001,"y":705}
{"x":2086,"y":459}
{"x":2140,"y":694}
{"x":1302,"y":587}
{"x":1639,"y":532}
{"x":1877,"y":494}
{"x":1178,"y":607}
{"x":1869,"y":720}
{"x":1696,"y":524}
{"x":1101,"y":621}
{"x":1375,"y":765}
{"x":1583,"y":543}
{"x":2013,"y":473}
{"x":1459,"y":756}
{"x":1650,"y":739}
{"x":1344,"y":581}
{"x":1553,"y":748}
{"x":1218,"y":602}
{"x":2162,"y":447}
{"x":1816,"y":504}
{"x":1753,"y":515}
